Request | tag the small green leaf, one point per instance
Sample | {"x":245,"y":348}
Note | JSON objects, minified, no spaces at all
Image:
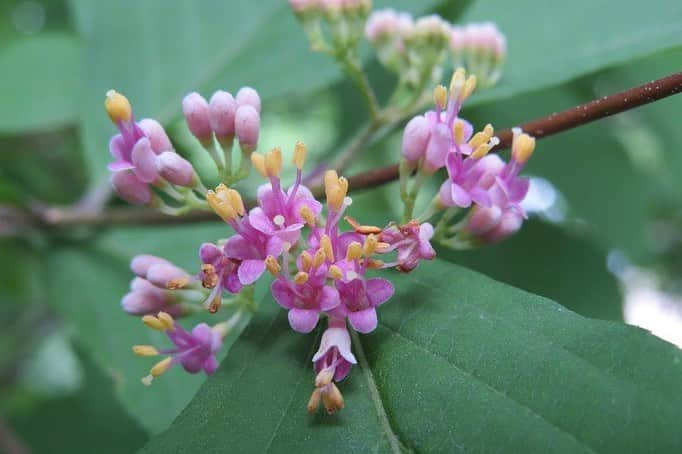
{"x":461,"y":363}
{"x":40,"y":83}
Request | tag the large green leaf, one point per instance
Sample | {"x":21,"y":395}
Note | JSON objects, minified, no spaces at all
{"x":40,"y":83}
{"x":458,"y":363}
{"x":86,"y":285}
{"x":158,"y":51}
{"x":551,"y":43}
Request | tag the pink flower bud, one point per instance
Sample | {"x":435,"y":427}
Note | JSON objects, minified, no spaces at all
{"x":130,"y":188}
{"x":161,"y":274}
{"x":248,"y":96}
{"x":482,"y":220}
{"x":144,"y":160}
{"x":510,"y":223}
{"x":416,"y":138}
{"x":382,"y":23}
{"x":456,"y":38}
{"x":247,"y":126}
{"x":438,"y":148}
{"x":175,"y":169}
{"x":157,"y":136}
{"x":195,"y":110}
{"x":142,"y":302}
{"x":140,"y":264}
{"x":222,"y":110}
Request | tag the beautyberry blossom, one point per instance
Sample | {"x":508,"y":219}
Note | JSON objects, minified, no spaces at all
{"x":218,"y":272}
{"x":194,"y":351}
{"x":412,"y":241}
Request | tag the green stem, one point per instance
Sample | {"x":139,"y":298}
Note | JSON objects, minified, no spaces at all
{"x":412,"y":197}
{"x":352,"y":66}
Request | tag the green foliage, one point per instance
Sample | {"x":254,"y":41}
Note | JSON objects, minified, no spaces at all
{"x":461,"y":363}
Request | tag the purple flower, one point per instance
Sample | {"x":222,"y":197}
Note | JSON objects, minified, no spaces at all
{"x":306,"y":298}
{"x":359,"y":299}
{"x":334,"y":357}
{"x":194,"y":351}
{"x":412,"y":241}
{"x":469,"y":180}
{"x":251,"y":247}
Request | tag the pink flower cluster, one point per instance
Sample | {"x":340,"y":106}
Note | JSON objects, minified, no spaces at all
{"x":439,"y":138}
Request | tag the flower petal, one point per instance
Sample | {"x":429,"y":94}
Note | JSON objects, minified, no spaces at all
{"x":364,"y":321}
{"x":283,"y":294}
{"x":250,"y":270}
{"x":379,"y":290}
{"x":303,"y":320}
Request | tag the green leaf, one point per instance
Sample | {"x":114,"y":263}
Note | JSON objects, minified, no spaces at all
{"x":156,"y":53}
{"x":460,"y":363}
{"x":90,"y":420}
{"x":41,"y":83}
{"x":551,"y":43}
{"x":86,"y":285}
{"x":551,"y":261}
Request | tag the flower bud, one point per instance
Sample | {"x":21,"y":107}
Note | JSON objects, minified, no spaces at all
{"x":175,"y":169}
{"x":247,"y":126}
{"x":247,"y":96}
{"x":157,"y":136}
{"x":510,"y":223}
{"x":482,"y":220}
{"x":142,"y":302}
{"x":140,"y":264}
{"x":195,"y":110}
{"x":131,"y":189}
{"x":416,"y":138}
{"x":222,"y":109}
{"x":144,"y":160}
{"x":166,"y":275}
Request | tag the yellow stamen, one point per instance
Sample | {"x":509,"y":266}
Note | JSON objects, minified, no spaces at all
{"x":332,"y":399}
{"x":457,"y":81}
{"x":145,"y":350}
{"x":364,"y":229}
{"x":299,"y":155}
{"x":153,"y":322}
{"x":166,"y":320}
{"x":335,"y":198}
{"x":324,"y":377}
{"x":272,"y":265}
{"x":319,"y":258}
{"x":440,"y":96}
{"x":306,"y":261}
{"x":480,"y":151}
{"x":117,"y":107}
{"x":236,"y":201}
{"x":343,"y":183}
{"x":220,"y":206}
{"x":178,"y":283}
{"x":161,"y":367}
{"x":469,"y":87}
{"x":209,"y":278}
{"x":523,"y":147}
{"x":331,"y":179}
{"x":375,"y":264}
{"x":307,"y":215}
{"x":301,"y":278}
{"x":326,"y":244}
{"x":354,"y":251}
{"x":258,"y":162}
{"x":458,"y":131}
{"x":214,"y":306}
{"x":335,"y":272}
{"x":273,"y":162}
{"x":314,"y":401}
{"x":370,"y":245}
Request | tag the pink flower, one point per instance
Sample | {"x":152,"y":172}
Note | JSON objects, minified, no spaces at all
{"x":412,"y":241}
{"x":251,"y":247}
{"x":305,"y":300}
{"x":469,"y":180}
{"x":334,"y":357}
{"x":359,"y":299}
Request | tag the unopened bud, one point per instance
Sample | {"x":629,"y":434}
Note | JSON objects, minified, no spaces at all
{"x":247,"y":96}
{"x":175,"y":169}
{"x":195,"y":110}
{"x":247,"y":126}
{"x":131,"y":189}
{"x":163,"y":275}
{"x":140,"y":264}
{"x":157,"y":136}
{"x":222,"y":109}
{"x":144,"y":160}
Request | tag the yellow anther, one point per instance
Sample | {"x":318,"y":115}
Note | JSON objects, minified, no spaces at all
{"x":326,"y":245}
{"x":306,"y":261}
{"x":117,"y":107}
{"x":314,"y":402}
{"x":354,"y":251}
{"x":331,"y":179}
{"x":318,"y":258}
{"x":335,"y":272}
{"x":178,"y":283}
{"x":458,"y":131}
{"x":166,"y":320}
{"x":307,"y":215}
{"x":236,"y":201}
{"x":272,"y":265}
{"x":481,"y":137}
{"x":209,"y":277}
{"x":258,"y":162}
{"x":273,"y":162}
{"x":343,"y":184}
{"x":299,"y":155}
{"x":440,"y":96}
{"x":489,"y":130}
{"x":381,"y":246}
{"x":480,"y":151}
{"x":469,"y":87}
{"x":301,"y":278}
{"x":324,"y":377}
{"x":335,"y":198}
{"x":153,"y":322}
{"x":145,"y":350}
{"x":523,"y":147}
{"x":370,"y":245}
{"x":221,"y":206}
{"x":457,"y":82}
{"x":332,"y":399}
{"x":375,"y":264}
{"x":161,"y":367}
{"x":214,"y":306}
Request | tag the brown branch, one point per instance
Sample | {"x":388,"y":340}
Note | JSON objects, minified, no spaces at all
{"x":541,"y":127}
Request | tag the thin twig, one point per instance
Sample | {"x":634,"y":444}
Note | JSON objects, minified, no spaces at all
{"x":541,"y":127}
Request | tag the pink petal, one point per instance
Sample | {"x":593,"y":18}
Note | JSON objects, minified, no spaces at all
{"x":238,"y":248}
{"x":118,"y":166}
{"x":260,"y":221}
{"x":283,"y":294}
{"x":329,"y":298}
{"x":460,"y":196}
{"x":210,"y":365}
{"x":364,"y":321}
{"x":379,"y":290}
{"x":144,"y":160}
{"x":250,"y":270}
{"x":303,"y":320}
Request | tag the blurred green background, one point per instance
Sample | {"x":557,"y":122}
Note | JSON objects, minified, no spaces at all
{"x":606,"y":206}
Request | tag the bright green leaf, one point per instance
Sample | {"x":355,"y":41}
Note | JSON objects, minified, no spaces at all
{"x":461,"y":363}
